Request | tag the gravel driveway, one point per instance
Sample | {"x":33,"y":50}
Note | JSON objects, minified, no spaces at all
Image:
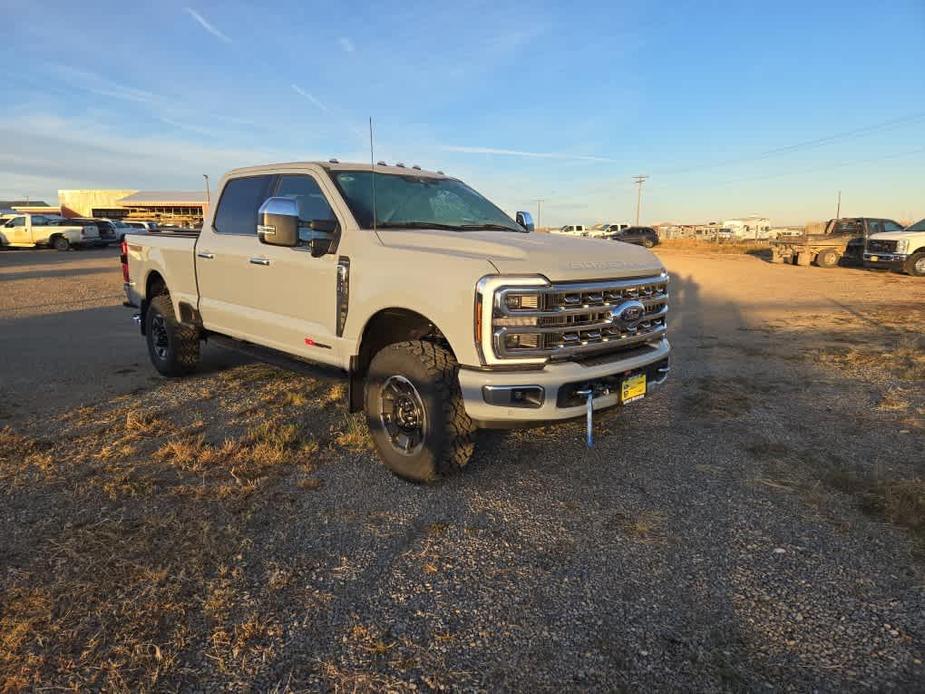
{"x":233,"y":530}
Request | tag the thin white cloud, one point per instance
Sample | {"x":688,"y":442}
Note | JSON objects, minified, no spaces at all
{"x":346,"y":44}
{"x":205,"y":24}
{"x":301,"y":92}
{"x":521,"y":153}
{"x":97,"y":84}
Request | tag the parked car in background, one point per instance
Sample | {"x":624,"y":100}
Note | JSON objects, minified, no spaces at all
{"x":903,"y":251}
{"x":642,"y":236}
{"x":599,"y":231}
{"x":32,"y":230}
{"x":103,"y":238}
{"x":842,"y":238}
{"x":109,"y":231}
{"x":135,"y":224}
{"x":571,"y":230}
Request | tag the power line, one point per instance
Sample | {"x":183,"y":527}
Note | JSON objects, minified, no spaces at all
{"x":852,"y":162}
{"x":806,"y":144}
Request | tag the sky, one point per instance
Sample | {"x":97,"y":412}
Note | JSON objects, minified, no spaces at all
{"x":730,"y":108}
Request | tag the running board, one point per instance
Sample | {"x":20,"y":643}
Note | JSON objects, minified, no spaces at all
{"x":276,"y":358}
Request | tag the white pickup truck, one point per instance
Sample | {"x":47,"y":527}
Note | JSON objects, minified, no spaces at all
{"x":903,"y":251}
{"x":31,"y":230}
{"x":445,"y":314}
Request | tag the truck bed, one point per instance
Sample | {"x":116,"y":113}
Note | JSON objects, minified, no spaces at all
{"x":166,"y":254}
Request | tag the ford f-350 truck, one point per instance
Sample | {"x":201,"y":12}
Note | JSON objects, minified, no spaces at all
{"x":445,"y":314}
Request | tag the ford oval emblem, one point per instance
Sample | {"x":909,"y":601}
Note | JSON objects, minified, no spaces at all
{"x":628,"y":314}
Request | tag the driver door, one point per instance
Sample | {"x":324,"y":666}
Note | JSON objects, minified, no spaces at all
{"x":275,"y":296}
{"x":16,"y":231}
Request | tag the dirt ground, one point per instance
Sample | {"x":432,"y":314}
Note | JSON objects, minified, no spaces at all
{"x":759,"y":521}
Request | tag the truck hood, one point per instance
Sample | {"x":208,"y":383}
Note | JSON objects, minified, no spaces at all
{"x":556,"y":256}
{"x":896,"y":235}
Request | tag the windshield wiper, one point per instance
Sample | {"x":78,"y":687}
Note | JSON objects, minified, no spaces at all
{"x":417,"y":225}
{"x":494,"y":227}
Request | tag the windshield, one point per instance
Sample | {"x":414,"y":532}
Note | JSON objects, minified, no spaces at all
{"x":419,"y":201}
{"x":918,"y":226}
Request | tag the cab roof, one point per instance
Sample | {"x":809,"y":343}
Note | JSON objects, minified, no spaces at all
{"x":340,"y":166}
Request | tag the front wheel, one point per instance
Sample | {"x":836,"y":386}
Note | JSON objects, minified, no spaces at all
{"x":60,"y":243}
{"x":172,"y":346}
{"x":648,"y":243}
{"x":415,"y":412}
{"x":915,"y":265}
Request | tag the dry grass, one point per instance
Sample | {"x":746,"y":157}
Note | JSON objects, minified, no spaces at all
{"x":353,"y":434}
{"x":646,"y":526}
{"x":879,"y":493}
{"x":900,"y":357}
{"x":898,"y":501}
{"x":128,"y":573}
{"x":724,"y":248}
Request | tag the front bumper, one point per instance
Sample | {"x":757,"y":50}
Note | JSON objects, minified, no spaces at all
{"x":891,"y":261}
{"x":553,"y":378}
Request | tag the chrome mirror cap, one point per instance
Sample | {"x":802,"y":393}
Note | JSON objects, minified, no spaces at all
{"x":284,"y":206}
{"x":525,"y":219}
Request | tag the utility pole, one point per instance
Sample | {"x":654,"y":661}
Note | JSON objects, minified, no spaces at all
{"x":539,"y":211}
{"x":208,"y":192}
{"x":639,"y":181}
{"x":838,"y":207}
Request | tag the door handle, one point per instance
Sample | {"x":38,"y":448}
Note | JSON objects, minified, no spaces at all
{"x":205,"y":254}
{"x":260,"y":261}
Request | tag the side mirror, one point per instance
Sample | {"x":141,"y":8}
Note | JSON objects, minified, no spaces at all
{"x":278,"y":222}
{"x":525,"y":219}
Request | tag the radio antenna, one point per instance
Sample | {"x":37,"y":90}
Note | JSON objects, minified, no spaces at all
{"x":372,"y":166}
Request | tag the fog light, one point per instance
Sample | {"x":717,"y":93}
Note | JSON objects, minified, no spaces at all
{"x":514,"y":396}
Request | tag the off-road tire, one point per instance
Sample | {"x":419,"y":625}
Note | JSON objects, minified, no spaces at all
{"x":827,"y":258}
{"x":447,"y":441}
{"x":59,"y":243}
{"x":916,"y":259}
{"x":182,"y":350}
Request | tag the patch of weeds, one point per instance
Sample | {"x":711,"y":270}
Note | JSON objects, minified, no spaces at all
{"x":900,"y":501}
{"x":720,"y":398}
{"x":354,"y":434}
{"x":646,"y":526}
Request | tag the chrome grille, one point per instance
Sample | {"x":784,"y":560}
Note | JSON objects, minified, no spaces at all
{"x":881,"y":246}
{"x":573,"y":319}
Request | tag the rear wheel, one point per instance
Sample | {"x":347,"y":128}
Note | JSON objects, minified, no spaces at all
{"x":915,"y":265}
{"x":172,"y":346}
{"x":415,"y":412}
{"x":59,"y":243}
{"x":827,"y":258}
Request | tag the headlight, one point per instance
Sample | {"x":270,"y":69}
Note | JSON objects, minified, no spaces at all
{"x":902,"y":246}
{"x":507,"y":302}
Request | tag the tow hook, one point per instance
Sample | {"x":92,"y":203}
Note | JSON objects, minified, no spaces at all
{"x":590,"y":392}
{"x":137,"y":318}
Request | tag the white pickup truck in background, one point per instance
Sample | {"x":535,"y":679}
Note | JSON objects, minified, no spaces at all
{"x":902,"y":251}
{"x":445,"y":314}
{"x":32,"y":230}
